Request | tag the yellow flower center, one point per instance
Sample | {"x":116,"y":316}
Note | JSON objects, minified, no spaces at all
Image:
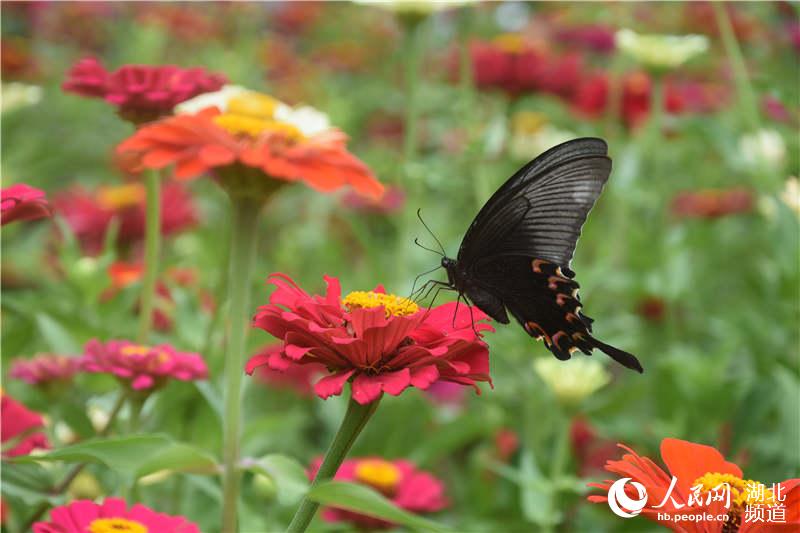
{"x":253,"y":114}
{"x":134,"y":349}
{"x":512,"y":43}
{"x":528,"y":122}
{"x":394,"y":305}
{"x":121,"y":197}
{"x":116,"y":525}
{"x":380,"y":474}
{"x":740,"y":495}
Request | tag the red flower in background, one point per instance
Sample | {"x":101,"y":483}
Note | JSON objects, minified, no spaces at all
{"x":713,"y":203}
{"x":140,"y":92}
{"x":382,"y":342}
{"x":506,"y":444}
{"x":698,"y":471}
{"x":255,"y":133}
{"x":23,"y":202}
{"x":18,"y":426}
{"x":89,"y":214}
{"x":407,"y":487}
{"x":299,"y":378}
{"x":112,"y":515}
{"x":392,"y":201}
{"x":142,"y":367}
{"x":44,"y":369}
{"x":591,"y":451}
{"x":594,"y":37}
{"x":511,"y":64}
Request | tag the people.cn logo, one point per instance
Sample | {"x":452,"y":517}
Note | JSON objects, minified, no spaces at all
{"x":621,"y":504}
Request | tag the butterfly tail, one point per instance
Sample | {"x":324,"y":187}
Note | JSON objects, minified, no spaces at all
{"x":624,"y":358}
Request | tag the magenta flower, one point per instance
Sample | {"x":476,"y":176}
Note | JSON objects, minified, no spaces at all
{"x":409,"y":488}
{"x":23,"y":202}
{"x":43,"y":369}
{"x":111,"y":516}
{"x":19,"y":425}
{"x":382,"y":342}
{"x":140,"y":92}
{"x":142,"y":367}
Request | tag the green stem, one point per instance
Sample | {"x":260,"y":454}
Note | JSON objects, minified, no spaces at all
{"x":152,"y":242}
{"x":744,"y":89}
{"x":135,"y":404}
{"x":354,"y":421}
{"x":412,"y":65}
{"x":243,"y":251}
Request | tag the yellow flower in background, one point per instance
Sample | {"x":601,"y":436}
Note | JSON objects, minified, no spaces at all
{"x":573,"y":380}
{"x":661,"y":52}
{"x":791,"y":194}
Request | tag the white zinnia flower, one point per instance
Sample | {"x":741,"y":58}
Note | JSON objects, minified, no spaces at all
{"x":791,"y":194}
{"x":764,"y":147}
{"x":307,"y":119}
{"x":661,"y":51}
{"x":573,"y":380}
{"x":417,"y":7}
{"x":16,"y":95}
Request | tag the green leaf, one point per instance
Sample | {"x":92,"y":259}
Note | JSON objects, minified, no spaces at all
{"x":287,"y":474}
{"x":29,"y":483}
{"x":132,"y":457}
{"x":364,"y":500}
{"x":56,"y":336}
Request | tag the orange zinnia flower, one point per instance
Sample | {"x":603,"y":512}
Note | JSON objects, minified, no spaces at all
{"x":241,"y":131}
{"x":696,"y":492}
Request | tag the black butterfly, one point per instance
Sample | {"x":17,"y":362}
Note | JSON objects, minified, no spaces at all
{"x":516,"y":253}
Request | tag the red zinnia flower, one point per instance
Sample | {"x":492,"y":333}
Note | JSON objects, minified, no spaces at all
{"x":699,"y":471}
{"x":244,"y":133}
{"x":45,"y":368}
{"x":383,"y":342}
{"x":90,"y":214}
{"x":391,"y":202}
{"x":409,"y":488}
{"x":299,"y":378}
{"x":23,"y":202}
{"x":712,"y":203}
{"x":112,"y":515}
{"x":142,"y":367}
{"x":591,"y":451}
{"x":140,"y":92}
{"x":19,"y":424}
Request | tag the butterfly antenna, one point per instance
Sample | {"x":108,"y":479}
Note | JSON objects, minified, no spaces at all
{"x":419,"y":216}
{"x":416,"y":241}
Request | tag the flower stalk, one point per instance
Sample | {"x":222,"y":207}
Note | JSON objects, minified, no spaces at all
{"x":243,"y":250}
{"x":355,"y":419}
{"x":152,"y":241}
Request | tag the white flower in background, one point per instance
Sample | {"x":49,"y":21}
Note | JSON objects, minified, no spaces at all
{"x":791,"y":194}
{"x":573,"y":380}
{"x":531,"y":135}
{"x":416,"y":7}
{"x":217,"y":98}
{"x":661,"y":51}
{"x":307,"y":119}
{"x":17,"y":95}
{"x":764,"y":147}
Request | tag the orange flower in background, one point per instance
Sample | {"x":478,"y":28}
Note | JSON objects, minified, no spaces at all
{"x":236,"y":132}
{"x":713,"y":203}
{"x":694,"y":492}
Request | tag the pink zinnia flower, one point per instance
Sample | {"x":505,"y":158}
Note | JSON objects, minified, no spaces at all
{"x":44,"y":369}
{"x":142,"y":367}
{"x":299,"y":378}
{"x":89,"y":214}
{"x":382,"y":342}
{"x":407,"y":487}
{"x":140,"y":92}
{"x":112,"y":515}
{"x":23,"y":202}
{"x":18,"y":423}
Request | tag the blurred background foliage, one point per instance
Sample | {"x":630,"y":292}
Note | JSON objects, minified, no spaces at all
{"x":703,"y":289}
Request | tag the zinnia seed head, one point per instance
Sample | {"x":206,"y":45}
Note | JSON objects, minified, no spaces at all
{"x":378,"y":473}
{"x":120,"y":197}
{"x":740,"y":495}
{"x":394,"y":305}
{"x":116,"y":525}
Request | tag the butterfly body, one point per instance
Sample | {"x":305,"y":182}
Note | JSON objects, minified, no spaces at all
{"x":515,"y":257}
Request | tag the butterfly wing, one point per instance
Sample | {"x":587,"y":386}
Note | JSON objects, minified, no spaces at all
{"x":539,"y":211}
{"x":545,"y":301}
